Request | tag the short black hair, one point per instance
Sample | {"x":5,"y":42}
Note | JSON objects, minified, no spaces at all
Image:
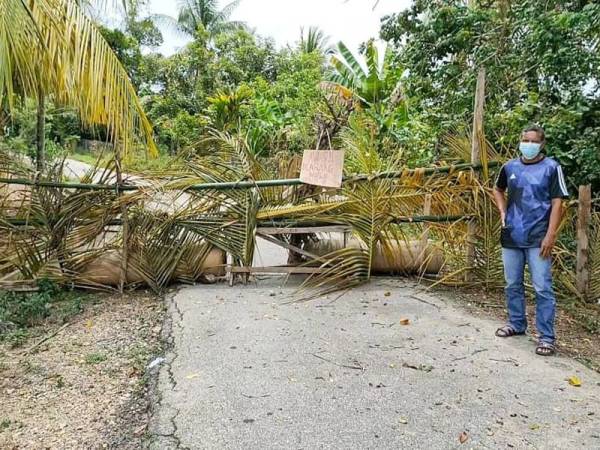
{"x":539,"y":130}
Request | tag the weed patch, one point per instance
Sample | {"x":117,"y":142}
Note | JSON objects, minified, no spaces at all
{"x":21,"y":311}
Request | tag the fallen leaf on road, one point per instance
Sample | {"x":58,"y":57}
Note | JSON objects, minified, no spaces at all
{"x":575,"y":381}
{"x":403,"y":420}
{"x":404,"y":322}
{"x":387,"y":294}
{"x":192,"y":376}
{"x":463,"y":437}
{"x":534,"y":426}
{"x":423,"y":367}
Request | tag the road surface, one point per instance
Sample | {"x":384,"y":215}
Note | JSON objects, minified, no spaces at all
{"x":248,"y":370}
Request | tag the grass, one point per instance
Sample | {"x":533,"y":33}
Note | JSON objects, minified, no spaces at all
{"x":95,"y":358}
{"x":4,"y":424}
{"x":88,"y":158}
{"x":21,"y":313}
{"x":586,"y":315}
{"x":137,"y":164}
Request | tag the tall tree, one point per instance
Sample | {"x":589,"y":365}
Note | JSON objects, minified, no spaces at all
{"x":542,"y":61}
{"x":204,"y":14}
{"x":315,"y":40}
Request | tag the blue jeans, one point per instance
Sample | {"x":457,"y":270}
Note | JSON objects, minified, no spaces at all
{"x":541,"y":276}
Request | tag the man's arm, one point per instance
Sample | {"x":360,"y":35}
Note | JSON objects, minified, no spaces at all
{"x":501,"y":204}
{"x":558,"y":191}
{"x":550,"y":239}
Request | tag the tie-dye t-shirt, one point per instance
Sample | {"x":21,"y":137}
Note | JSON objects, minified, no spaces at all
{"x":531,"y":188}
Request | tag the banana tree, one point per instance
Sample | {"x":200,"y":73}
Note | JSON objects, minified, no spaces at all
{"x":371,"y":86}
{"x":370,"y":82}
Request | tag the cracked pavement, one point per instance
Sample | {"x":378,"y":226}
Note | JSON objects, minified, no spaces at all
{"x":249,"y":370}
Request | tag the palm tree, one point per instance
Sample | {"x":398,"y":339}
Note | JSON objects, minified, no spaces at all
{"x":315,"y":40}
{"x":204,"y":14}
{"x":51,"y":47}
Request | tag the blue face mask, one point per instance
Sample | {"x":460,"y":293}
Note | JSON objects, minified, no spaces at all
{"x":530,"y":150}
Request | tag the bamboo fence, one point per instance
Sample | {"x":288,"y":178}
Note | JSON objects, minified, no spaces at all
{"x":60,"y":230}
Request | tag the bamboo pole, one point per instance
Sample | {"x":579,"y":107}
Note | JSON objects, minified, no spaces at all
{"x":250,"y":184}
{"x":425,"y":236}
{"x":477,"y":142}
{"x":263,"y":224}
{"x":584,"y":214}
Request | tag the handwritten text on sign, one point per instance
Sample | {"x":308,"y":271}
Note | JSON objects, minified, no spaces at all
{"x":322,"y":167}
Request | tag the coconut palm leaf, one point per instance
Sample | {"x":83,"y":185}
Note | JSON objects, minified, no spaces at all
{"x":595,"y":257}
{"x":314,"y":41}
{"x":54,"y":47}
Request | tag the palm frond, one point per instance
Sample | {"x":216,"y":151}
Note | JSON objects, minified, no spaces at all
{"x":55,"y":47}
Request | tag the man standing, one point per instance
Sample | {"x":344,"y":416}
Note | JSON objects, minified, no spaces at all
{"x":530,"y":220}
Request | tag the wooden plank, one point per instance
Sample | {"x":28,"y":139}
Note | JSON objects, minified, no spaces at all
{"x":477,"y":141}
{"x":277,"y":270}
{"x":584,"y":215}
{"x":291,"y":247}
{"x":478,"y":133}
{"x":302,"y":230}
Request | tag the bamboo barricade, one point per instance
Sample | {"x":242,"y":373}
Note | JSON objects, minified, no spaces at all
{"x":251,"y":184}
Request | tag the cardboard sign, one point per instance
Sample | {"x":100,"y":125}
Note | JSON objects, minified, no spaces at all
{"x":322,"y":167}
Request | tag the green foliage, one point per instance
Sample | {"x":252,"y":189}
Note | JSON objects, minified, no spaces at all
{"x":240,"y":57}
{"x":315,"y":40}
{"x":18,"y":311}
{"x":95,"y":358}
{"x":197,"y":15}
{"x":127,"y":49}
{"x":4,"y":424}
{"x":226,"y":107}
{"x":541,"y":60}
{"x":62,"y":129}
{"x":27,"y":309}
{"x":145,"y":32}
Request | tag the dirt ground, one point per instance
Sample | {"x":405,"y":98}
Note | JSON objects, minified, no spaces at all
{"x":86,"y":387}
{"x":577,"y":324}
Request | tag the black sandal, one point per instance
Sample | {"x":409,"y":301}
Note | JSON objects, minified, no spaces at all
{"x":508,"y":331}
{"x":545,"y":349}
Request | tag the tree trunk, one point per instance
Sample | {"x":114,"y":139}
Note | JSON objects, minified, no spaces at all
{"x":41,"y":131}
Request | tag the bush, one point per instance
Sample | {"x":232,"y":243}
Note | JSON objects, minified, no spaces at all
{"x":21,"y":310}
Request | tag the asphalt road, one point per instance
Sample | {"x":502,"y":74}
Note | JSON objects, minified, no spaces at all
{"x":249,"y":371}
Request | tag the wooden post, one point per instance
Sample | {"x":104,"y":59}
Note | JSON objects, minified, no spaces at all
{"x":125,"y":222}
{"x":477,"y":142}
{"x":584,"y":215}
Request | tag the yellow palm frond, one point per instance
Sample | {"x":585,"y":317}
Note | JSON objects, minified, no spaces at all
{"x":54,"y":47}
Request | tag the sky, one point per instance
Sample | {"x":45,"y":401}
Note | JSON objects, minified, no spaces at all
{"x":350,"y":21}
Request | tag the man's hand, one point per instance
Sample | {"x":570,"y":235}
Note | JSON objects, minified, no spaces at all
{"x":547,"y":246}
{"x":503,"y":218}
